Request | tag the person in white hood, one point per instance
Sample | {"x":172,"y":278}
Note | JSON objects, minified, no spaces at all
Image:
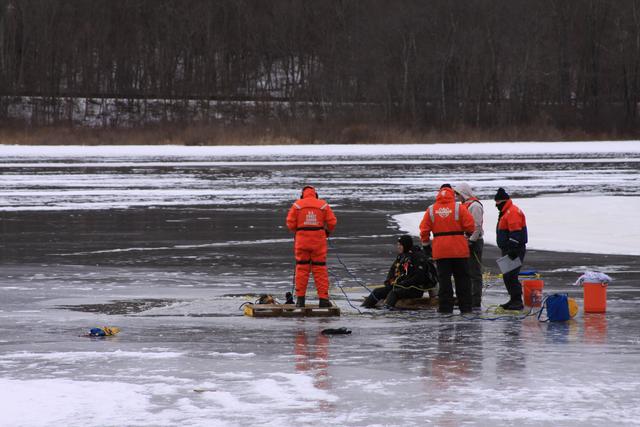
{"x":476,"y":241}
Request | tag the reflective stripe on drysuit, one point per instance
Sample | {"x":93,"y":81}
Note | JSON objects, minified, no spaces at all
{"x":311,"y":219}
{"x":448,"y":221}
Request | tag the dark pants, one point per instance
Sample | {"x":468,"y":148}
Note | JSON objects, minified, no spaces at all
{"x":459,"y":268}
{"x":511,"y":282}
{"x":378,"y":294}
{"x":402,"y":293}
{"x":390,"y":295}
{"x":475,"y":272}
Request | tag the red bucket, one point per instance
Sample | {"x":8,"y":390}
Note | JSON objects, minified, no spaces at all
{"x":532,"y":292}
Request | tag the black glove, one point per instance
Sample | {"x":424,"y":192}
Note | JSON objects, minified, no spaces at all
{"x":427,"y":250}
{"x":472,"y":244}
{"x":336,"y":331}
{"x":513,"y":253}
{"x":289,"y":298}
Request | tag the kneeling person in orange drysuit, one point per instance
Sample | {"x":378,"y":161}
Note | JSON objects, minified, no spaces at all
{"x":312,"y":220}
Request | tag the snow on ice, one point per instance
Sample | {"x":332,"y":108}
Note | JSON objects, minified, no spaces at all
{"x":572,"y":223}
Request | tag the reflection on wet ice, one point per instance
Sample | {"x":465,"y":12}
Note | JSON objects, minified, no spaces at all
{"x":510,"y":355}
{"x":561,"y":332}
{"x":311,"y":352}
{"x":595,"y":328}
{"x":458,"y":355}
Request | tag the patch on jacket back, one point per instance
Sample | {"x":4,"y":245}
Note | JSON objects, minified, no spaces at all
{"x":443,"y":212}
{"x":311,"y":219}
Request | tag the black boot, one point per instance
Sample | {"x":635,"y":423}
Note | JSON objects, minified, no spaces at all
{"x":515,"y":298}
{"x":391,"y":300}
{"x":513,"y":304}
{"x":516,"y":305}
{"x":324,"y":303}
{"x":300,"y":302}
{"x":514,"y":289}
{"x":369,"y":302}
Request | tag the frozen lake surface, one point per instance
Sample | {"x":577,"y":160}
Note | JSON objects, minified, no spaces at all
{"x":566,"y":223}
{"x":167,"y":244}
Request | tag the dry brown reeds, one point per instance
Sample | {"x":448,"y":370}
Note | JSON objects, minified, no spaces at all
{"x":303,"y":132}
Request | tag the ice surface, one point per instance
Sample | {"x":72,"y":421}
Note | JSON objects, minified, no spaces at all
{"x":176,"y":183}
{"x":571,"y":223}
{"x":168,"y":242}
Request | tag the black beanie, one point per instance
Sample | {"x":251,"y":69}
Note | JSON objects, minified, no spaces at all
{"x":445,"y":186}
{"x":501,"y":195}
{"x":406,"y":241}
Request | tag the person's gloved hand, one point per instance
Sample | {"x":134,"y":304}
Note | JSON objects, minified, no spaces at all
{"x":427,"y":250}
{"x":513,"y":253}
{"x":472,"y":244}
{"x":326,"y":232}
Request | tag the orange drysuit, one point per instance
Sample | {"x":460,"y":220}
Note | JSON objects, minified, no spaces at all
{"x":448,"y":221}
{"x":312,"y":220}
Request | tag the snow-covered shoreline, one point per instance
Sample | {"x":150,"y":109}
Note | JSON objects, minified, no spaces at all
{"x":337,"y":150}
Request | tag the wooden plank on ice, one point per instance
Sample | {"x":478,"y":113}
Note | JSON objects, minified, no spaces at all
{"x":290,"y":310}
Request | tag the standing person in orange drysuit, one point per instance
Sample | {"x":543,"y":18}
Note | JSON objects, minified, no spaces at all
{"x":449,"y":221}
{"x":512,"y":238}
{"x":312,"y":220}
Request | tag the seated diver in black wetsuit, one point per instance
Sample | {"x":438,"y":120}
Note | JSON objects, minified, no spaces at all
{"x":409,"y":276}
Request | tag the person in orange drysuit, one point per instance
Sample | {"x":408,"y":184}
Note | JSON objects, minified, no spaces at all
{"x":512,"y":238}
{"x":449,"y":221}
{"x":312,"y":220}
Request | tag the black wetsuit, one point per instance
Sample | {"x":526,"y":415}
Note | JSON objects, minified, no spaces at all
{"x":409,"y":276}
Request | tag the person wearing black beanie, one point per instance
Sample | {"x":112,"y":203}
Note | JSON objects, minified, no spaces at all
{"x":512,"y":238}
{"x":501,"y":195}
{"x":407,"y":277}
{"x":407,"y":243}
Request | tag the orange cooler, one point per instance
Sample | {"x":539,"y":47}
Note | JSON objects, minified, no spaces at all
{"x":595,"y":297}
{"x":532,"y":290}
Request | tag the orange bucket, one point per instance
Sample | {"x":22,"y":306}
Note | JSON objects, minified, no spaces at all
{"x":595,"y":297}
{"x":532,"y":292}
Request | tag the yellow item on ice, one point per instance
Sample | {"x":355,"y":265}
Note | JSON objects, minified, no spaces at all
{"x":504,"y":311}
{"x":573,"y":307}
{"x":105,"y":331}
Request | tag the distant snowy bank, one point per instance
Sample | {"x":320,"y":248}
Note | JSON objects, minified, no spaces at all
{"x":333,"y":150}
{"x":589,"y":224}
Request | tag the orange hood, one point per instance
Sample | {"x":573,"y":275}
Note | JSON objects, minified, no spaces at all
{"x":446,"y":195}
{"x":309,"y":191}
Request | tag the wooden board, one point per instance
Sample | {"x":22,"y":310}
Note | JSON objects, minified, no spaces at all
{"x":417,"y":303}
{"x":290,"y":310}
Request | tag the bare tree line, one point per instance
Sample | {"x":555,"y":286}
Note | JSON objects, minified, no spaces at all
{"x":422,"y":63}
